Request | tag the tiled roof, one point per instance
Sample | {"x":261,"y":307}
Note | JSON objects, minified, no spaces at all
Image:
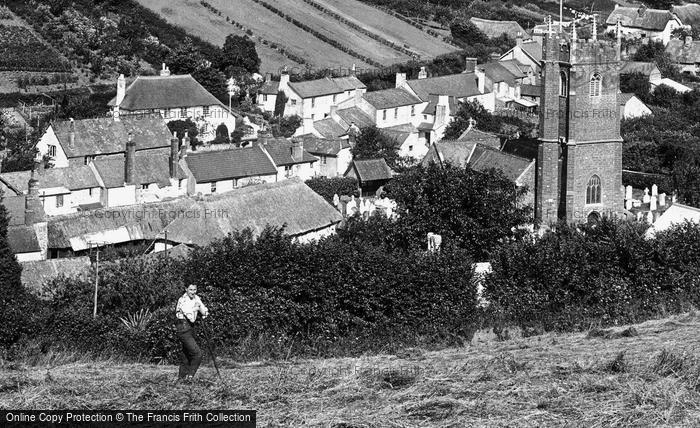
{"x":635,"y":17}
{"x":329,"y":128}
{"x":150,"y":168}
{"x":497,"y":72}
{"x":683,"y":53}
{"x":280,"y":150}
{"x":496,"y":28}
{"x":473,"y":135}
{"x":455,"y":85}
{"x":316,"y":88}
{"x":511,"y":166}
{"x":162,"y":92}
{"x":390,"y":98}
{"x":71,"y":177}
{"x":646,"y":68}
{"x":323,"y":146}
{"x":228,"y":164}
{"x":372,"y":169}
{"x":357,"y":116}
{"x":270,"y":88}
{"x":107,"y":136}
{"x":22,"y":239}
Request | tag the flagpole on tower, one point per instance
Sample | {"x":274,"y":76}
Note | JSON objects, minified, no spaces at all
{"x":561,"y":14}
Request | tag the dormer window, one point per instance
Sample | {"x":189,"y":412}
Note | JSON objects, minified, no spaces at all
{"x":595,"y":85}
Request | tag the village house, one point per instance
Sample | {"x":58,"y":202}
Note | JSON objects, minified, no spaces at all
{"x":631,"y":106}
{"x":685,"y":54}
{"x":78,"y":142}
{"x":224,"y":170}
{"x":527,"y":53}
{"x":290,"y":158}
{"x":174,"y":97}
{"x":333,"y":155}
{"x":494,"y":29}
{"x":342,"y":123}
{"x":648,"y":69}
{"x":639,"y":22}
{"x":197,"y":220}
{"x":27,"y":228}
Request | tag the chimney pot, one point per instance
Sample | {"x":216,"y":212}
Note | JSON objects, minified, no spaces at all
{"x":130,"y":161}
{"x":470,"y":65}
{"x":174,"y":155}
{"x":422,"y":74}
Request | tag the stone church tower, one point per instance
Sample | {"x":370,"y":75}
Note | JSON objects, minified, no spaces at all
{"x":579,"y":161}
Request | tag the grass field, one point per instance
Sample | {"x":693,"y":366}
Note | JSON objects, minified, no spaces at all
{"x":646,"y":376}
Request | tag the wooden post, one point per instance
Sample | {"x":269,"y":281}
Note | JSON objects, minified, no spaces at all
{"x":97,"y":278}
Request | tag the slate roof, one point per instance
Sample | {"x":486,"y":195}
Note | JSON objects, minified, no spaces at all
{"x":280,"y":150}
{"x":533,"y":48}
{"x":349,"y":83}
{"x":497,"y":72}
{"x":107,"y":136}
{"x":400,"y":133}
{"x":530,"y":90}
{"x":514,"y":66}
{"x":22,"y":239}
{"x":511,"y":166}
{"x":329,"y":128}
{"x":456,"y":85}
{"x":150,"y":168}
{"x":473,"y":135}
{"x":456,"y":153}
{"x":372,"y":169}
{"x":432,"y":105}
{"x":390,"y":98}
{"x":163,"y":92}
{"x":270,"y":88}
{"x":316,"y":88}
{"x":495,"y":28}
{"x":646,"y":68}
{"x":649,"y":19}
{"x":683,"y":53}
{"x":228,"y":164}
{"x":15,"y":206}
{"x":323,"y":146}
{"x":357,"y":116}
{"x":624,"y":97}
{"x":72,"y":178}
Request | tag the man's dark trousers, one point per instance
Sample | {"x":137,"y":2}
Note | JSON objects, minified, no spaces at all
{"x":191,"y":356}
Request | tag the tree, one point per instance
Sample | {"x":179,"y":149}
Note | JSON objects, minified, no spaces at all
{"x":637,"y":83}
{"x":213,"y":81}
{"x":185,"y":127}
{"x":280,"y":103}
{"x":656,"y":52}
{"x":185,"y":59}
{"x":239,"y":51}
{"x":22,"y":152}
{"x":372,"y":143}
{"x":467,"y":34}
{"x":471,"y":110}
{"x":285,"y":126}
{"x":470,"y":209}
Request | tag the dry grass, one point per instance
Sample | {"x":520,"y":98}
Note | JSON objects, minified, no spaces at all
{"x":648,"y":379}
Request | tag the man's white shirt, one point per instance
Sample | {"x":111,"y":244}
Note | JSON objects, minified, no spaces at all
{"x":188,"y":308}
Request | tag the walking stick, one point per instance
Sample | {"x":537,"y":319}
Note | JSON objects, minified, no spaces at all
{"x":211,"y":350}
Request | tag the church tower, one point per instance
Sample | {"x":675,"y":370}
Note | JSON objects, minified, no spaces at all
{"x":579,"y":161}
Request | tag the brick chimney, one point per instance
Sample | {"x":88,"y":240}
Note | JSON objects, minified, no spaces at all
{"x":174,"y":155}
{"x":284,"y":80}
{"x":71,"y":135}
{"x":121,"y":93}
{"x":297,"y":150}
{"x":32,"y":214}
{"x":480,"y":80}
{"x":400,"y":79}
{"x":469,"y":65}
{"x":130,"y":161}
{"x":422,"y":74}
{"x":519,"y":39}
{"x":165,"y":71}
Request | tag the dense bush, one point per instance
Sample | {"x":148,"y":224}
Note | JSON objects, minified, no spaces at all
{"x":327,"y":187}
{"x":605,"y":274}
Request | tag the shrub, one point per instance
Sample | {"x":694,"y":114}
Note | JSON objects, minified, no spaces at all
{"x":327,"y":187}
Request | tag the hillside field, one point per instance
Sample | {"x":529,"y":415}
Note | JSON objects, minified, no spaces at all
{"x":380,"y":29}
{"x":645,"y":376}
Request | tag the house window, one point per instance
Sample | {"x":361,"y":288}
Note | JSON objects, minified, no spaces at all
{"x":264,"y":97}
{"x":213,"y":187}
{"x":383,"y":114}
{"x":90,"y":191}
{"x":179,"y":183}
{"x":396,"y":113}
{"x":59,"y":201}
{"x":594,"y":85}
{"x":593,"y":190}
{"x":410,"y":148}
{"x":234,"y":182}
{"x":413,"y":111}
{"x":52,"y":150}
{"x":288,"y":170}
{"x":89,"y":159}
{"x":425,"y":117}
{"x":334,"y":98}
{"x":183,"y":111}
{"x":563,"y":84}
{"x":144,"y":186}
{"x":313,"y":102}
{"x":293,"y":101}
{"x":205,"y":111}
{"x":324,"y":160}
{"x":349,"y":93}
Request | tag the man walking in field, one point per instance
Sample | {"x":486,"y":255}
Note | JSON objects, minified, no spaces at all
{"x":188,"y":307}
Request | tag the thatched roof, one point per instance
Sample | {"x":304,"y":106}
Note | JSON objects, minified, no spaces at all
{"x":640,"y":17}
{"x":22,"y":239}
{"x":645,"y":68}
{"x":682,"y":52}
{"x":35,"y":275}
{"x":163,"y":92}
{"x":198,"y":221}
{"x":16,"y":205}
{"x":689,"y":14}
{"x":495,"y":28}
